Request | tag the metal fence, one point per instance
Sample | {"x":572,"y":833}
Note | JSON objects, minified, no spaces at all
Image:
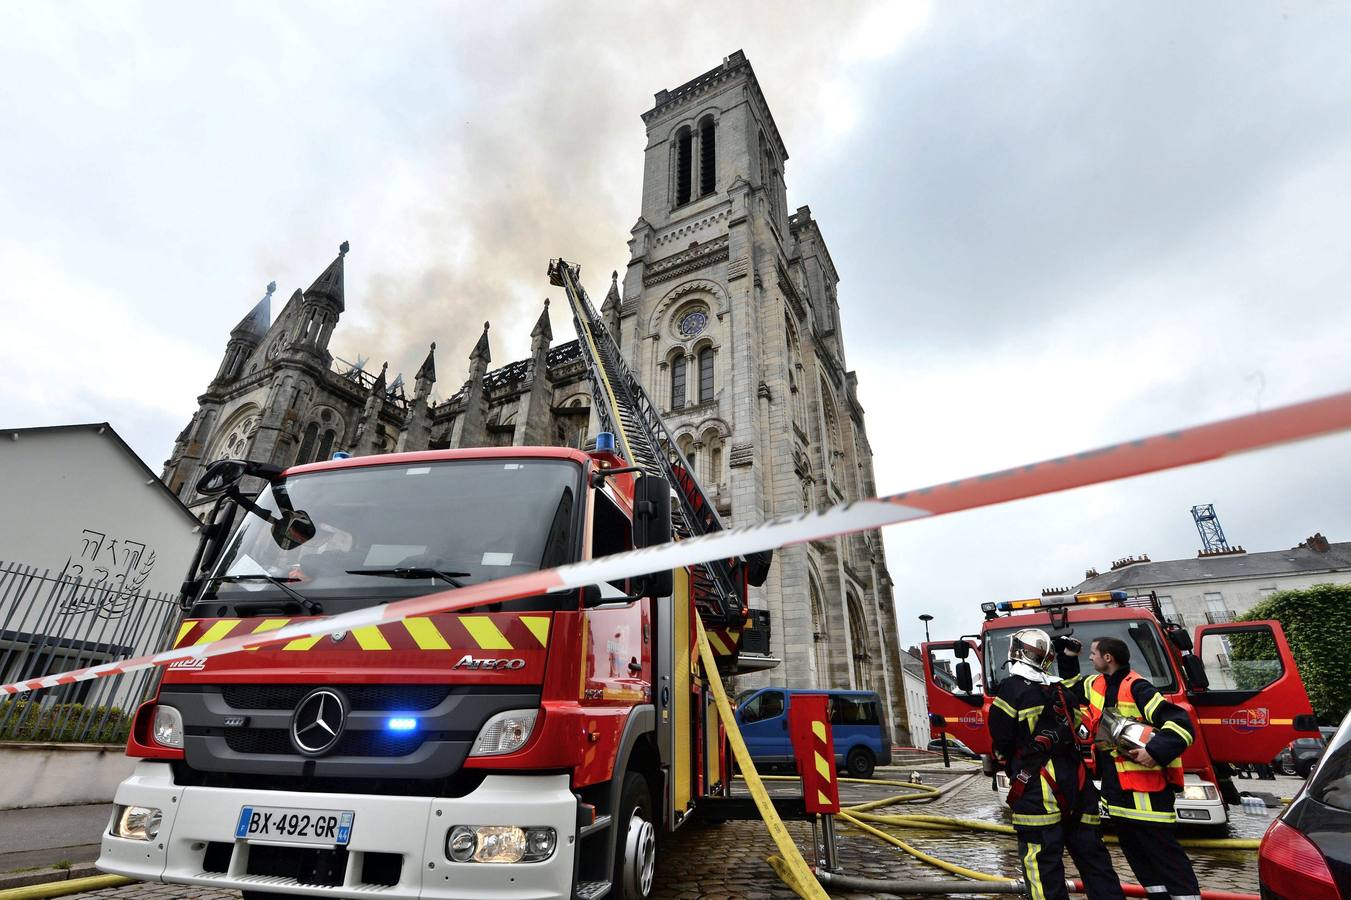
{"x":51,"y":624}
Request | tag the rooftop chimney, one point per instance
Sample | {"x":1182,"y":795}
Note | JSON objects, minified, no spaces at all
{"x":1317,"y":543}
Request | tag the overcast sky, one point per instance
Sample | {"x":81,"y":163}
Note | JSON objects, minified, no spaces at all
{"x":1055,"y":229}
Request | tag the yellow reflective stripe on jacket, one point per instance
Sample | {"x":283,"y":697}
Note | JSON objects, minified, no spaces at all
{"x":1091,"y":819}
{"x":1178,"y":730}
{"x":1048,"y":795}
{"x":1034,"y":819}
{"x":1005,"y":707}
{"x":1153,"y":704}
{"x":1141,"y":815}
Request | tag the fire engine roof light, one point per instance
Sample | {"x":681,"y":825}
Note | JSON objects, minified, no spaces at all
{"x":341,"y":454}
{"x":605,"y":440}
{"x":1059,"y":600}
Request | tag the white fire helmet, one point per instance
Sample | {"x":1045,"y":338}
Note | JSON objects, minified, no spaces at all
{"x":1031,"y":655}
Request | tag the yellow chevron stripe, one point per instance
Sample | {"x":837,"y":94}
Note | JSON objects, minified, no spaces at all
{"x":718,"y":644}
{"x":183,"y":631}
{"x":370,"y":638}
{"x":539,"y":627}
{"x":819,"y":729}
{"x":216,"y":632}
{"x":822,"y":767}
{"x":424,"y":632}
{"x":304,"y":643}
{"x":821,"y":798}
{"x":268,"y":625}
{"x":485,"y":633}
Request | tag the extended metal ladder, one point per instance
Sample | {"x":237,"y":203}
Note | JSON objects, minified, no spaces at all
{"x":624,"y":408}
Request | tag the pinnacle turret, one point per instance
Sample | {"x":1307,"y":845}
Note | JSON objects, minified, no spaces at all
{"x":330,"y":282}
{"x":254,"y":326}
{"x":612,"y":298}
{"x":542,"y":327}
{"x":481,"y":351}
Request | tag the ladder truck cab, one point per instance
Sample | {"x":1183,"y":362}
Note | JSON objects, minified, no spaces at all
{"x":1237,"y":681}
{"x":534,"y":748}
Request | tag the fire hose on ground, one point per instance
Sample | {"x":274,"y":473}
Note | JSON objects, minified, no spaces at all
{"x":859,"y":817}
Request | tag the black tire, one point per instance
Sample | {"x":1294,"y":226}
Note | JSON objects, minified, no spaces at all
{"x":860,"y":763}
{"x":1304,"y":770}
{"x":1286,"y":766}
{"x":635,"y":831}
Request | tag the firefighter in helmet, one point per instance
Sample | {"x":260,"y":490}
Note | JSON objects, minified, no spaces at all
{"x":1054,"y":803}
{"x":1139,"y":783}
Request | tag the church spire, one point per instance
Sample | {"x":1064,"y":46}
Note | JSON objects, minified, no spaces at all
{"x":428,"y":371}
{"x":480,"y":351}
{"x":330,"y":282}
{"x":542,"y":328}
{"x":254,"y":325}
{"x":612,"y":298}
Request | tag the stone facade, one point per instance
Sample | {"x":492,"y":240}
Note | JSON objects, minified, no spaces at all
{"x":727,"y":313}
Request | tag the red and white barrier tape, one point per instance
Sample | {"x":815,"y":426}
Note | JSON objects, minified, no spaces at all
{"x":1165,"y":451}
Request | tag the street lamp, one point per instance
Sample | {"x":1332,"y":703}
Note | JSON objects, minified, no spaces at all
{"x":926,"y":619}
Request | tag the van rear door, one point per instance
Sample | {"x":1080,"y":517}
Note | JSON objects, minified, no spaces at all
{"x":1256,"y":703}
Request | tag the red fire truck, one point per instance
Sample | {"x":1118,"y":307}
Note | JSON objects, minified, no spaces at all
{"x":1237,"y":681}
{"x":528,"y":749}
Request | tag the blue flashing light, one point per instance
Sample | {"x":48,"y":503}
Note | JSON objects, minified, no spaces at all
{"x":402,"y":723}
{"x":341,"y":454}
{"x":605,"y":440}
{"x":1004,"y":606}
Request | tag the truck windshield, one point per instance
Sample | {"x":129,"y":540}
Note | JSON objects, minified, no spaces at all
{"x":383,"y":531}
{"x":1141,"y":636}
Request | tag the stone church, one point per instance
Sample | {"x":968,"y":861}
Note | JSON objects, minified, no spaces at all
{"x":728,"y":314}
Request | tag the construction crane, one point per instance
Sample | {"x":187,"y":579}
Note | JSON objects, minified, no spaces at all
{"x":624,"y":409}
{"x":1208,"y":524}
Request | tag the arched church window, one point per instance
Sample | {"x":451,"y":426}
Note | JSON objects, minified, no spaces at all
{"x":678,"y":382}
{"x":307,"y":445}
{"x":326,"y":445}
{"x":706,"y":375}
{"x":684,"y":165}
{"x":707,"y":157}
{"x":858,"y":643}
{"x":820,"y":636}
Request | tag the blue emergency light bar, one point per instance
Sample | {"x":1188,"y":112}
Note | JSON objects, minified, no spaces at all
{"x":605,"y":440}
{"x":1061,"y":600}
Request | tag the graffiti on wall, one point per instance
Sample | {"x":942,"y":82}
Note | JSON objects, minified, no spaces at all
{"x":110,"y":570}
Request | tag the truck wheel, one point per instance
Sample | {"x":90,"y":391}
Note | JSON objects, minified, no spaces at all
{"x":860,"y":763}
{"x":1286,"y":765}
{"x":636,"y":841}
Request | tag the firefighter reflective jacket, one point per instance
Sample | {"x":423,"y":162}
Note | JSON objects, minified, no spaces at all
{"x":1031,"y":735}
{"x":1133,"y":792}
{"x":1129,"y":774}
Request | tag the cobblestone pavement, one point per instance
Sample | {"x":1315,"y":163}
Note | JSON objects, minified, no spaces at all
{"x":728,"y":860}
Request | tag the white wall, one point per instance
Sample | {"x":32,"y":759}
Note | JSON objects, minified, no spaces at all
{"x":60,"y":774}
{"x":75,"y":501}
{"x":917,"y":708}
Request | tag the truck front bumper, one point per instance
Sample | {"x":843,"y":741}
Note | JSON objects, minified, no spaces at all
{"x":200,"y":819}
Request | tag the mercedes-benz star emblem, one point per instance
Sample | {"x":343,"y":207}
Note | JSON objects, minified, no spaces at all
{"x":318,"y":721}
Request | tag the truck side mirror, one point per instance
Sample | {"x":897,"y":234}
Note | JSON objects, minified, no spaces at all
{"x":1180,"y":639}
{"x":214,"y":535}
{"x":1196,"y":672}
{"x":651,"y":511}
{"x":961,"y":650}
{"x":963,"y":674}
{"x":652,"y":527}
{"x":220,"y":476}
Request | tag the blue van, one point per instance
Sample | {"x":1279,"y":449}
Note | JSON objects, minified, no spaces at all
{"x":861,"y":743}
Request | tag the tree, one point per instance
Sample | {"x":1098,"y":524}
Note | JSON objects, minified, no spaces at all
{"x":1315,"y":623}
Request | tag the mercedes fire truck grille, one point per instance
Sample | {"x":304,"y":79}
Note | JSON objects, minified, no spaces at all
{"x":375,"y":697}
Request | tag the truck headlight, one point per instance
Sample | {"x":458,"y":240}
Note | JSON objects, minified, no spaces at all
{"x":137,"y":823}
{"x":500,"y":844}
{"x":168,"y":727}
{"x":1200,"y":792}
{"x":505,"y":732}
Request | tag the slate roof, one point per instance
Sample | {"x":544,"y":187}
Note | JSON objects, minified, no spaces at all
{"x":1299,"y":561}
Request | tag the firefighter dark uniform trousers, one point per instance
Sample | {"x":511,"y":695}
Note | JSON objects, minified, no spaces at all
{"x":1140,"y":798}
{"x":1054,"y":803}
